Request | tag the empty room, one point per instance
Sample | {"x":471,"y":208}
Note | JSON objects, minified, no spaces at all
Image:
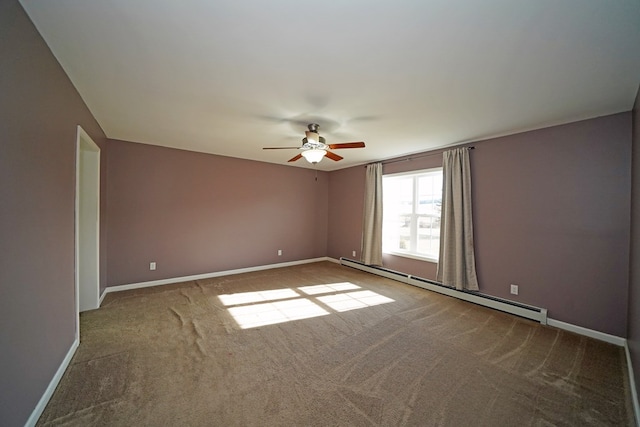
{"x":330,"y":213}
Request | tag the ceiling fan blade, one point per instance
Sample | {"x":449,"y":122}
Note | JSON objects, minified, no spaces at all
{"x":280,"y":148}
{"x":295,"y":158}
{"x":346,"y":145}
{"x":333,"y":156}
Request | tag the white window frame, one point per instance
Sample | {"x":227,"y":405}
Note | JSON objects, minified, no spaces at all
{"x":412,"y":251}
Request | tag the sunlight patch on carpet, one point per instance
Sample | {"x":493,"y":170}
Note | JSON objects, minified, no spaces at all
{"x":261,"y":296}
{"x":251,"y":316}
{"x":354,"y":300}
{"x":269,"y":307}
{"x":326,"y":289}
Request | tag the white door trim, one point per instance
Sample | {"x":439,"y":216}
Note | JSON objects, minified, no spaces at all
{"x":87,"y":225}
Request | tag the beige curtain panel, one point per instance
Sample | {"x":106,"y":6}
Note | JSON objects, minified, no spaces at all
{"x":372,"y":223}
{"x":456,"y":264}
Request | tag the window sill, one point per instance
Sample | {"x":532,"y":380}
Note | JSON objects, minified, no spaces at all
{"x":412,"y":256}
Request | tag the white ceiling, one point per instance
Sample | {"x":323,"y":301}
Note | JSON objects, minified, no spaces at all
{"x":229,"y":77}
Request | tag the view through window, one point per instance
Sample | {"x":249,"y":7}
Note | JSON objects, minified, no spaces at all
{"x":412,"y":203}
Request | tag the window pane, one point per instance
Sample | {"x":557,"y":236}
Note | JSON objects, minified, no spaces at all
{"x":398,"y":194}
{"x":411,"y":215}
{"x":429,"y":193}
{"x":405,"y":243}
{"x":428,"y":246}
{"x":397,"y":209}
{"x":429,"y":235}
{"x":405,"y":195}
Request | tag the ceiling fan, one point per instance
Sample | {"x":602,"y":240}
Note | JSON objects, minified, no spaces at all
{"x":314,"y":148}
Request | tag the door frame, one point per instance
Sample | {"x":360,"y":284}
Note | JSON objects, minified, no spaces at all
{"x":87,"y":225}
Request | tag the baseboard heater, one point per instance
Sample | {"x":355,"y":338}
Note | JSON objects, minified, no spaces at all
{"x":512,"y":307}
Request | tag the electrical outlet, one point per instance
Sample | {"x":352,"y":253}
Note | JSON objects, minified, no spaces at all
{"x":152,"y":266}
{"x":279,"y":252}
{"x":353,"y":253}
{"x":514,"y":289}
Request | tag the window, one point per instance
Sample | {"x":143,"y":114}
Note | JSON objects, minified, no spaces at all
{"x":411,"y":214}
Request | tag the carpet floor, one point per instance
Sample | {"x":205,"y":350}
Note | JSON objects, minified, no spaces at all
{"x":326,"y":345}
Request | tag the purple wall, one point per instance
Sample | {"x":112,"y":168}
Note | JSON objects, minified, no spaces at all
{"x":346,"y":192}
{"x":195,"y":213}
{"x":633,"y":331}
{"x":39,"y":112}
{"x":551,"y":209}
{"x":551,"y":214}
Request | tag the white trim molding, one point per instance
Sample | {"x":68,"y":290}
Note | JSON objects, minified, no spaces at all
{"x":104,"y":294}
{"x":611,"y":339}
{"x":37,"y":411}
{"x":632,"y":385}
{"x":87,"y":224}
{"x":519,"y":309}
{"x":533,"y":313}
{"x":173,"y":280}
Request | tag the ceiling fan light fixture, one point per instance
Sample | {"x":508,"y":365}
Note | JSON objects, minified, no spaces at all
{"x":314,"y":156}
{"x":312,"y":137}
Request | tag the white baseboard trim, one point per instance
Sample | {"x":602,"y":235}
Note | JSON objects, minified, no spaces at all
{"x":35,"y":415}
{"x":173,"y":280}
{"x":533,"y":313}
{"x":611,"y":339}
{"x":632,"y":385}
{"x":104,"y":293}
{"x":512,"y":307}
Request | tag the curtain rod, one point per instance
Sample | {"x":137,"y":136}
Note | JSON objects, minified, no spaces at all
{"x":407,"y":159}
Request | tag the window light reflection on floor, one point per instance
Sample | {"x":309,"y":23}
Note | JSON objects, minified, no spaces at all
{"x":354,"y":300}
{"x":251,"y":316}
{"x":261,"y":308}
{"x":325,"y":289}
{"x":259,"y":296}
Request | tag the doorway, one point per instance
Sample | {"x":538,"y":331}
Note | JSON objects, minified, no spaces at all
{"x":87,"y":227}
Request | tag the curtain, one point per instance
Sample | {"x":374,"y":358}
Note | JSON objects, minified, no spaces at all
{"x":456,"y":264}
{"x":372,"y":222}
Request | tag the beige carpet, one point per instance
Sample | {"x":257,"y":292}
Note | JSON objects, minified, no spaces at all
{"x":377,"y":353}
